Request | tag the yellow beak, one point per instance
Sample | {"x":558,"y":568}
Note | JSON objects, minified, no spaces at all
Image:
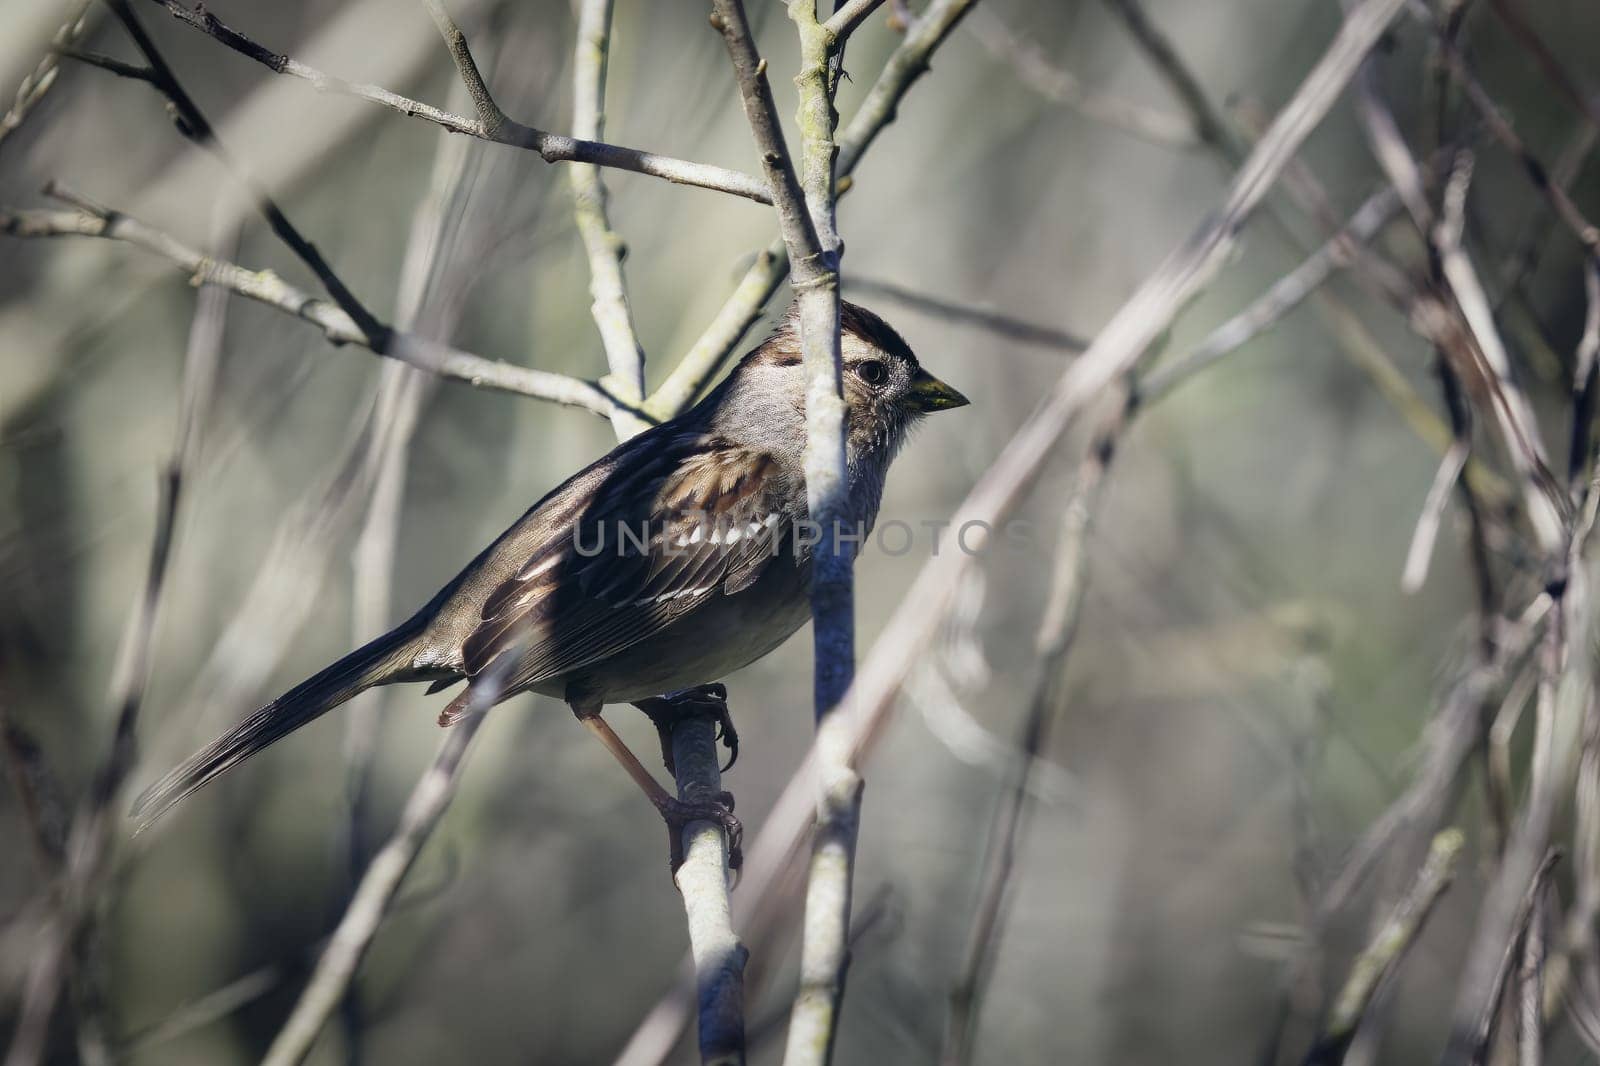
{"x":928,"y":393}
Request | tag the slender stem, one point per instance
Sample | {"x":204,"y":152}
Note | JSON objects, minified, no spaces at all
{"x":1388,"y":945}
{"x":266,"y":287}
{"x":375,"y":896}
{"x":604,"y":247}
{"x":90,"y":843}
{"x":551,"y":147}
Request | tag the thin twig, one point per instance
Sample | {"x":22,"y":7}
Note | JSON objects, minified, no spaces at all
{"x":1052,"y":644}
{"x":1587,"y":233}
{"x":90,"y":843}
{"x":195,"y":127}
{"x":266,"y":287}
{"x":1284,"y":295}
{"x":1530,"y":984}
{"x":42,"y":77}
{"x":656,"y":1034}
{"x":1209,"y":125}
{"x":604,"y":247}
{"x":376,"y":894}
{"x":552,"y":147}
{"x":1035,"y":70}
{"x":1389,"y":944}
{"x":983,"y":318}
{"x":805,"y":198}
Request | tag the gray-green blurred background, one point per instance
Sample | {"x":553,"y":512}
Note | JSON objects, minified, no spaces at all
{"x":1250,"y":680}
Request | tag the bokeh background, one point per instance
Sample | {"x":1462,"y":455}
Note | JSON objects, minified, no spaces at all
{"x":1250,"y":680}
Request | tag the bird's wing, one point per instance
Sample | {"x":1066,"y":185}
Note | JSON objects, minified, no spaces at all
{"x":695,"y":518}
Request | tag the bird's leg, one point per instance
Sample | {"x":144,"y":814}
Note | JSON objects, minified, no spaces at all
{"x":707,"y":701}
{"x":675,"y":812}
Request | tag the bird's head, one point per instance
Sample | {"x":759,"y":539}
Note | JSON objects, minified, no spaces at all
{"x":885,"y":388}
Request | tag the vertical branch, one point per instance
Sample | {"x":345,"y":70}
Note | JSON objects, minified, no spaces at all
{"x":604,"y":247}
{"x":719,"y":957}
{"x":825,"y":935}
{"x":805,"y":206}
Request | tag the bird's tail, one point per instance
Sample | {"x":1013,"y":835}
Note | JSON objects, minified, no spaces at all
{"x":388,"y":658}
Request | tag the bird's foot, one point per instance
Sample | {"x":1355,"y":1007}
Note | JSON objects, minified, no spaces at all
{"x":718,"y":808}
{"x":702,"y":701}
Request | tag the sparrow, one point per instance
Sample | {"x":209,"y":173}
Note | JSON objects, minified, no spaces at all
{"x":679,"y":557}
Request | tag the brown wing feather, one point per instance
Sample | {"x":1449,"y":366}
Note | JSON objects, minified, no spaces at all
{"x":702,"y":519}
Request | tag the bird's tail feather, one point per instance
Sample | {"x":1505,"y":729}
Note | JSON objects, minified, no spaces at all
{"x":388,"y":658}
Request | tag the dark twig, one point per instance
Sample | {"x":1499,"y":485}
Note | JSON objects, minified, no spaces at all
{"x":1209,"y":125}
{"x":194,"y":126}
{"x":1587,"y":233}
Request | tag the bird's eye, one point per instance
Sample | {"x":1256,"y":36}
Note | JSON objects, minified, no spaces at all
{"x":872,"y":372}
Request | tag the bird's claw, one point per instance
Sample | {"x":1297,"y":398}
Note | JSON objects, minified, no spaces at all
{"x":703,"y":701}
{"x":718,"y":808}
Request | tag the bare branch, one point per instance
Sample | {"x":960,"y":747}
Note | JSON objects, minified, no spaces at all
{"x":552,"y":147}
{"x":852,"y":13}
{"x":1587,"y":233}
{"x":1209,"y":126}
{"x":194,"y":126}
{"x":604,"y":247}
{"x":1389,"y":944}
{"x":805,"y":205}
{"x":42,"y":78}
{"x":266,"y":287}
{"x":979,"y":317}
{"x":1284,"y":295}
{"x":1053,"y":644}
{"x":373,"y":899}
